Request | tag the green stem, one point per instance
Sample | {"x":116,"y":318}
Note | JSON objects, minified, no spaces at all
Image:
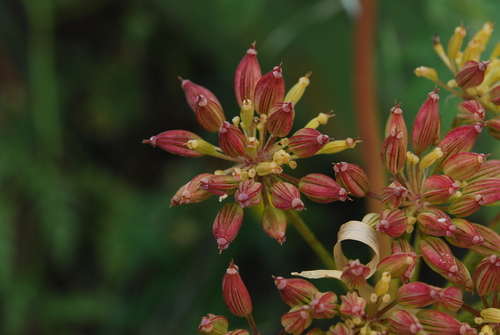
{"x":252,"y":324}
{"x":310,"y":238}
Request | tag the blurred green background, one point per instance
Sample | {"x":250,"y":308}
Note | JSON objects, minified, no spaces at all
{"x":88,"y":244}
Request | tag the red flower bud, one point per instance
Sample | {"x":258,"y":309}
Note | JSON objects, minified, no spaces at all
{"x":439,"y":257}
{"x":248,"y":193}
{"x":487,"y":275}
{"x":354,"y":274}
{"x":175,"y":142}
{"x":295,"y":291}
{"x":465,"y":234}
{"x":402,"y":246}
{"x":398,"y":264}
{"x":218,"y":184}
{"x":297,"y":319}
{"x":269,"y":89}
{"x":396,"y":123}
{"x":495,"y":95}
{"x":416,"y":295}
{"x":392,"y":222}
{"x":274,"y":223}
{"x":460,"y":139}
{"x":436,"y":322}
{"x":438,"y":189}
{"x":394,"y":195}
{"x":286,"y":196}
{"x":213,"y":325}
{"x":393,"y":151}
{"x":191,"y":193}
{"x":491,"y":244}
{"x":471,"y":112}
{"x":321,"y":188}
{"x":493,"y":126}
{"x":192,"y":92}
{"x":280,"y":119}
{"x":353,"y":305}
{"x":463,"y":165}
{"x":235,"y":293}
{"x":471,"y":74}
{"x":231,"y":140}
{"x":247,"y":75}
{"x":209,"y":113}
{"x":306,"y":142}
{"x":227,"y":224}
{"x":402,"y":322}
{"x":427,"y":125}
{"x":475,"y":195}
{"x":352,"y":177}
{"x":489,"y":169}
{"x":450,"y":298}
{"x":324,"y":305}
{"x":435,"y":222}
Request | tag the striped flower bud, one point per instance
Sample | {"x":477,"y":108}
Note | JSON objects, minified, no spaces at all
{"x":269,"y":89}
{"x":437,"y":322}
{"x":191,"y":193}
{"x":192,"y":92}
{"x":306,"y":142}
{"x":427,"y":125}
{"x":353,"y":306}
{"x":175,"y":142}
{"x":274,"y":223}
{"x":394,"y":195}
{"x":227,"y":223}
{"x":397,"y":264}
{"x":495,"y":95}
{"x":280,"y":120}
{"x":231,"y":140}
{"x":321,"y":188}
{"x":354,"y":274}
{"x":493,"y":126}
{"x":351,"y":177}
{"x":297,"y":319}
{"x":392,"y":222}
{"x":298,"y":89}
{"x":393,"y":151}
{"x":463,"y":165}
{"x":323,"y":305}
{"x":471,"y":74}
{"x":479,"y":193}
{"x":416,"y":295}
{"x":471,"y":112}
{"x":465,"y":234}
{"x":295,"y":291}
{"x":460,"y":139}
{"x":218,"y":184}
{"x":489,"y":169}
{"x":209,"y":113}
{"x":491,"y":244}
{"x":491,"y":315}
{"x":438,"y":189}
{"x":435,"y":222}
{"x":402,"y":322}
{"x":213,"y":325}
{"x":450,"y":298}
{"x":286,"y":196}
{"x":402,"y":246}
{"x":439,"y":257}
{"x":396,"y":122}
{"x":247,"y":75}
{"x":487,"y":275}
{"x":248,"y":193}
{"x":235,"y":293}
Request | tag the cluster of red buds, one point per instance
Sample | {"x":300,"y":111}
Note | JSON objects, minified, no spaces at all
{"x":256,"y":143}
{"x":475,"y":80}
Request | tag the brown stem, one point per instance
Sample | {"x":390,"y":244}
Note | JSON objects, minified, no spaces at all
{"x":252,"y":324}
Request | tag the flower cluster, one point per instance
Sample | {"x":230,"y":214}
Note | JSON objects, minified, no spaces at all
{"x":475,"y":79}
{"x":256,"y":143}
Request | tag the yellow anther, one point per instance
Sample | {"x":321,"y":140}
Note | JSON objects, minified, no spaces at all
{"x":412,"y":158}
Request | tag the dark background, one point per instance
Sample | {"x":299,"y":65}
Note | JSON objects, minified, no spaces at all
{"x":88,"y":244}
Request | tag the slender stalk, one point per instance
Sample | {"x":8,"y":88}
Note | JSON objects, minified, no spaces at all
{"x":252,"y":324}
{"x":310,"y":238}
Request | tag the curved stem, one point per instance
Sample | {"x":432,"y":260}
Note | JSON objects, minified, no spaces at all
{"x":310,"y":238}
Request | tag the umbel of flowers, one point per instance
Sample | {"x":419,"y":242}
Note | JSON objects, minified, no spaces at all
{"x":261,"y":148}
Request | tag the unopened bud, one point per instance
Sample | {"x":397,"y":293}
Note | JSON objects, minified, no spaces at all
{"x":248,"y":193}
{"x":392,"y":222}
{"x":393,"y":151}
{"x":209,"y":113}
{"x":437,"y":322}
{"x":403,"y":323}
{"x":460,"y":139}
{"x":286,"y":196}
{"x":438,"y":189}
{"x":269,"y":89}
{"x":394,"y":195}
{"x":175,"y":142}
{"x":427,"y":125}
{"x":295,"y":291}
{"x":324,"y":305}
{"x":246,"y":77}
{"x":274,"y":223}
{"x":235,"y":293}
{"x":227,"y":223}
{"x":465,"y":234}
{"x":435,"y":222}
{"x":493,"y":126}
{"x":192,"y":92}
{"x":306,"y":142}
{"x":352,"y":177}
{"x":191,"y":193}
{"x":231,"y":140}
{"x":321,"y":188}
{"x":397,"y":264}
{"x":463,"y":164}
{"x":487,"y":275}
{"x":280,"y":118}
{"x":353,"y":305}
{"x":471,"y":112}
{"x":218,"y":184}
{"x":297,"y":319}
{"x":471,"y":74}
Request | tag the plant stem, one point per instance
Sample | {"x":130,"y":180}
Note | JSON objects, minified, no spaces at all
{"x":252,"y":324}
{"x":310,"y":238}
